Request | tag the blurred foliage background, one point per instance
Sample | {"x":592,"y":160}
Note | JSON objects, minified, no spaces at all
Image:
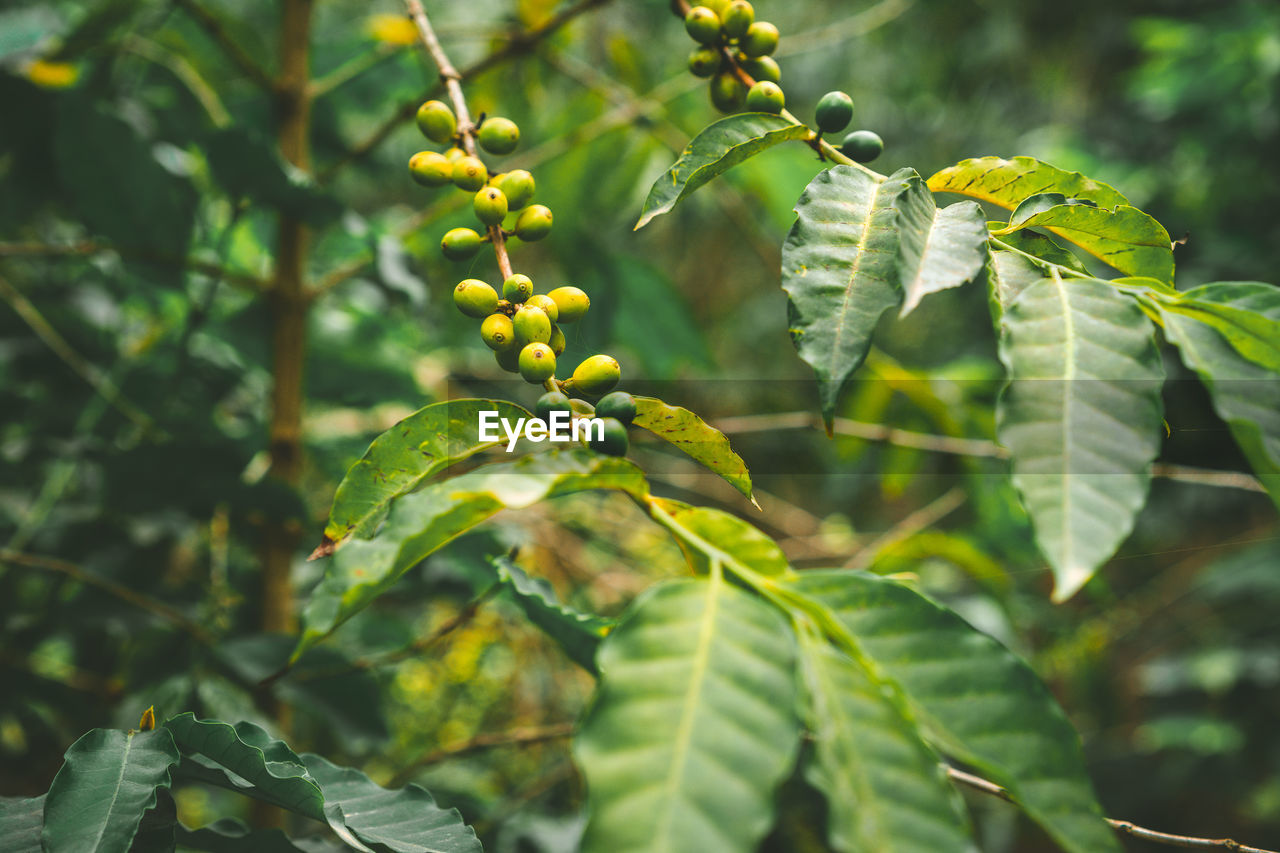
{"x":141,"y":196}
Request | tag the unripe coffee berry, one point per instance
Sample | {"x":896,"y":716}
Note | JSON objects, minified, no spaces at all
{"x":430,"y":169}
{"x":469,"y":173}
{"x":533,"y":223}
{"x":613,"y":439}
{"x":460,"y":244}
{"x":862,"y":146}
{"x":737,"y":16}
{"x":454,"y":154}
{"x":766,"y":97}
{"x":834,"y":111}
{"x":571,"y":303}
{"x":702,"y":25}
{"x":717,"y":6}
{"x":704,"y":62}
{"x":617,"y":404}
{"x":475,"y":298}
{"x":509,"y":359}
{"x":596,"y":375}
{"x":760,"y":67}
{"x":517,"y":185}
{"x":727,"y":93}
{"x":581,"y":407}
{"x":532,"y":325}
{"x":557,"y":342}
{"x":537,"y":363}
{"x":517,"y":288}
{"x":437,"y":122}
{"x":761,"y":39}
{"x":490,"y":206}
{"x":552,"y":401}
{"x":498,"y":333}
{"x":498,"y":135}
{"x":547,"y":304}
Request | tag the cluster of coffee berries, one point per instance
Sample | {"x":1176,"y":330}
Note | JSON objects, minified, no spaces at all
{"x":616,"y":411}
{"x":834,"y":112}
{"x":728,"y":30}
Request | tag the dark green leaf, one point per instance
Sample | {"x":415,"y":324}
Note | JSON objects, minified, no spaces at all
{"x":1010,"y":182}
{"x":21,"y":820}
{"x":1246,"y":313}
{"x":578,"y":633}
{"x":248,"y":165}
{"x":690,"y":433}
{"x":939,"y":248}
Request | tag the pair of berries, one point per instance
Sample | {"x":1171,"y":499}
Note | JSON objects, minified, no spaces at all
{"x":616,"y":412}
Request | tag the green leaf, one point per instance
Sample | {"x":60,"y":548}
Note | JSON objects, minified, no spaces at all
{"x":1081,"y":416}
{"x":693,"y":726}
{"x":714,"y":151}
{"x":886,"y":790}
{"x":840,"y":271}
{"x":21,"y":820}
{"x":1123,"y":237}
{"x":1008,"y":183}
{"x":1045,"y":248}
{"x":107,"y":783}
{"x":711,"y":535}
{"x":231,"y":836}
{"x":420,"y":523}
{"x":247,"y":165}
{"x":940,"y":248}
{"x":399,"y":460}
{"x":972,"y":699}
{"x":405,"y":820}
{"x":1246,"y":313}
{"x":578,"y":633}
{"x":703,"y":443}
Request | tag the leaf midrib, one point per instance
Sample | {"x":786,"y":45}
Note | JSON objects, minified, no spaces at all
{"x":115,"y":794}
{"x":1068,"y":374}
{"x":861,"y":245}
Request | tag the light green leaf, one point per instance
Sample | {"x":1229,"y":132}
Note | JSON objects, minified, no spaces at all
{"x":972,"y":698}
{"x":1081,"y":416}
{"x":579,"y":634}
{"x":940,"y":248}
{"x":840,"y":271}
{"x":420,"y":523}
{"x":402,"y":458}
{"x":1123,"y":237}
{"x":886,"y":790}
{"x":1246,"y":313}
{"x":703,"y":443}
{"x":714,"y":151}
{"x":21,"y":820}
{"x":107,"y":783}
{"x":1008,"y":183}
{"x":232,"y":836}
{"x":693,"y":726}
{"x":710,"y":535}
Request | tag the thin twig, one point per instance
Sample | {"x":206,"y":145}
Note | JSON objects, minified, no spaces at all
{"x":217,"y":31}
{"x":515,"y":737}
{"x":928,"y":515}
{"x":352,"y":69}
{"x":1127,"y":827}
{"x":87,"y":248}
{"x":185,"y":72}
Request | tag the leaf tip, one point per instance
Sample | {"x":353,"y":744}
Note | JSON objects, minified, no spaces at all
{"x":148,"y":721}
{"x":326,"y":548}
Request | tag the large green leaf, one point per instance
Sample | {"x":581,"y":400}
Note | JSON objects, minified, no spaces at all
{"x":420,"y":523}
{"x":690,"y":433}
{"x":21,"y":820}
{"x":940,"y":248}
{"x":402,"y":458}
{"x":714,"y":151}
{"x":1123,"y":237}
{"x":579,"y":634}
{"x":886,"y":790}
{"x":1246,"y":313}
{"x":1244,"y":395}
{"x":840,"y":271}
{"x":1008,"y":183}
{"x":709,"y":535}
{"x":109,"y":780}
{"x":693,"y":726}
{"x":247,"y":165}
{"x":1081,"y":416}
{"x":972,"y":698}
{"x":405,"y":820}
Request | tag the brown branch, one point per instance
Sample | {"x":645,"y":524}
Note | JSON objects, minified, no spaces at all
{"x":86,"y":248}
{"x":515,"y":737}
{"x":1127,"y":827}
{"x":928,"y":515}
{"x":217,"y":31}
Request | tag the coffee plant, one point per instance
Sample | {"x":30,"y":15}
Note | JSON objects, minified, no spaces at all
{"x":720,"y":691}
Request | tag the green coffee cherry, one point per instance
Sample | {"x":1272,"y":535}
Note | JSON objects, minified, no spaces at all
{"x":613,"y":441}
{"x":537,"y":363}
{"x":475,"y":298}
{"x":552,"y":401}
{"x":469,"y":173}
{"x":498,"y":333}
{"x":862,"y":146}
{"x":547,"y":304}
{"x":437,"y":122}
{"x":760,"y":67}
{"x":765,"y":97}
{"x":454,"y":154}
{"x":498,"y":135}
{"x":490,"y":206}
{"x":596,"y":375}
{"x":571,"y":303}
{"x":717,"y":6}
{"x":737,"y":16}
{"x":532,"y":325}
{"x":617,"y":404}
{"x":517,"y":185}
{"x":704,"y":62}
{"x":702,"y":25}
{"x":727,"y":93}
{"x":834,"y":111}
{"x":533,"y":223}
{"x":509,"y":359}
{"x":761,"y":39}
{"x":430,"y":169}
{"x":460,"y":244}
{"x":581,"y":407}
{"x":557,"y":342}
{"x":517,"y":288}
